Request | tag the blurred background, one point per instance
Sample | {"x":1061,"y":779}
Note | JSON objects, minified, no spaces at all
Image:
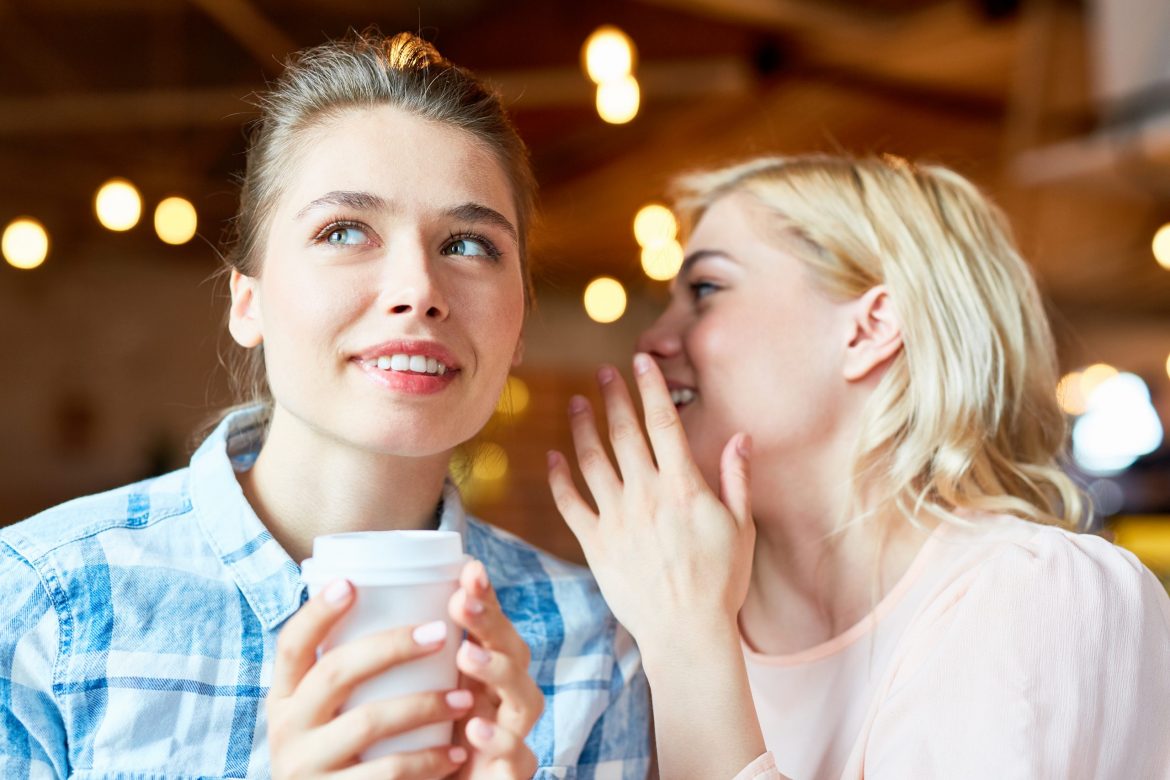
{"x":111,"y":319}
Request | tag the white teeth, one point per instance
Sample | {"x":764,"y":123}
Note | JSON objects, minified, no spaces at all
{"x":682,"y":396}
{"x":416,"y":364}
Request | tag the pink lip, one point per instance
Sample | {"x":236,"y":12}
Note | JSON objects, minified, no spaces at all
{"x":402,"y":382}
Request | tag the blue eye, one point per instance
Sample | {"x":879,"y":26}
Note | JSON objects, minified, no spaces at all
{"x":345,"y":235}
{"x":470,"y":246}
{"x":701,"y":289}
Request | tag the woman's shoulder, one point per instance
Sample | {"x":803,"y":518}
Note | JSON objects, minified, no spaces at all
{"x":1017,"y":573}
{"x":70,"y":525}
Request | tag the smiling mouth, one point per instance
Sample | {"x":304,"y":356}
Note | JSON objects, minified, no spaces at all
{"x":682,"y":396}
{"x":408,"y":364}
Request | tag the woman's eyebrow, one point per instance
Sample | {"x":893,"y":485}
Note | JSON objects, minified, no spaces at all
{"x":477,"y":212}
{"x":354,"y":199}
{"x":697,"y":255}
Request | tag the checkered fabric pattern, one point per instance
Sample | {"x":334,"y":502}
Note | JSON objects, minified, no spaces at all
{"x":137,"y":630}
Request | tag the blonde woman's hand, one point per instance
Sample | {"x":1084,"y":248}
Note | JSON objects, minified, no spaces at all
{"x":668,"y":553}
{"x":494,"y":662}
{"x":307,"y":738}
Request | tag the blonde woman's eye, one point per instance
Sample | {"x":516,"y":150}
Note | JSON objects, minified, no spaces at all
{"x":470,"y":246}
{"x":346,"y":235}
{"x":701,"y":289}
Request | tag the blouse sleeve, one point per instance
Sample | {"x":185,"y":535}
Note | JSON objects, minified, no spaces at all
{"x":1051,"y":659}
{"x":32,"y":736}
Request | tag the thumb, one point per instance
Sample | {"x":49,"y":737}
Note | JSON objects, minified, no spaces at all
{"x":735,"y":488}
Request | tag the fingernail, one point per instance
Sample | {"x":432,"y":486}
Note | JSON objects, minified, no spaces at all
{"x":430,"y":633}
{"x":554,"y":459}
{"x":476,"y":654}
{"x":578,"y":404}
{"x":744,"y":447}
{"x":481,"y":576}
{"x":481,"y":728}
{"x":459,"y":700}
{"x":605,"y":375}
{"x":338,"y":592}
{"x":457,"y":755}
{"x":642,"y":363}
{"x":473,"y":605}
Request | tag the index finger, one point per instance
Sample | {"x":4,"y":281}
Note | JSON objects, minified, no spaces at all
{"x":296,"y":647}
{"x":663,"y":427}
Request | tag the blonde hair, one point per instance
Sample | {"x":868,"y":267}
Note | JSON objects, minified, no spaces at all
{"x":363,"y":70}
{"x":965,"y":417}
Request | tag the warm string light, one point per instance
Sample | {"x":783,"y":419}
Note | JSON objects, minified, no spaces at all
{"x":609,"y":58}
{"x":175,"y":220}
{"x":25,"y":243}
{"x":605,"y":299}
{"x":118,"y":205}
{"x":656,"y":231}
{"x":1161,"y":246}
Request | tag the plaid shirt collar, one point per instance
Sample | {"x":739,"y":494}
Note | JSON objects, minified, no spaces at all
{"x":269,"y":579}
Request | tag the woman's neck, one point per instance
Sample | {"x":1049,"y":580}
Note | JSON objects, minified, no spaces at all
{"x":812,"y":576}
{"x":306,"y":484}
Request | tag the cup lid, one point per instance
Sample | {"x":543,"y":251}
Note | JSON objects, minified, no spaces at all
{"x":383,"y":551}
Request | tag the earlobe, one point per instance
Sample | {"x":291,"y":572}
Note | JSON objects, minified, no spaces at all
{"x":518,"y":355}
{"x":876,"y":334}
{"x":244,"y":321}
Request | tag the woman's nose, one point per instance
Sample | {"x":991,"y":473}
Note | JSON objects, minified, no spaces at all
{"x":411,"y":286}
{"x":663,"y":339}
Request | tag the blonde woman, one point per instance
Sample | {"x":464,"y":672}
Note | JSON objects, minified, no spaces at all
{"x":895,"y":591}
{"x":379,"y":286}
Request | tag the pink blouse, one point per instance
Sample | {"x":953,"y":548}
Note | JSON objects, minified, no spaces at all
{"x":1008,"y":650}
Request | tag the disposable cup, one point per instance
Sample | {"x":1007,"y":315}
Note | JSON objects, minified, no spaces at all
{"x":401,"y":578}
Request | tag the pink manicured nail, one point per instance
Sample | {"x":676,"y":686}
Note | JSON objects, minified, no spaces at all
{"x":430,"y":633}
{"x":642,"y":363}
{"x":744,"y":447}
{"x":337,"y":593}
{"x":481,"y":728}
{"x":476,"y":654}
{"x":457,"y":755}
{"x":459,"y":700}
{"x":473,"y":605}
{"x":578,"y":404}
{"x":605,"y":375}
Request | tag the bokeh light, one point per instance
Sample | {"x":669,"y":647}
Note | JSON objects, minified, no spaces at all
{"x":605,"y":299}
{"x":175,"y":220}
{"x":608,"y":54}
{"x":1069,"y":395}
{"x":25,"y":244}
{"x":654,"y":226}
{"x":1119,"y":425}
{"x":617,"y":101}
{"x":118,"y":205}
{"x":490,"y":462}
{"x":662,"y":262}
{"x":1161,"y":246}
{"x":514,"y":399}
{"x":1093,"y":377}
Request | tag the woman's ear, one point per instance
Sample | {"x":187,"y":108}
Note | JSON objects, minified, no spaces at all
{"x":244,"y":320}
{"x":876,"y":334}
{"x":518,"y":355}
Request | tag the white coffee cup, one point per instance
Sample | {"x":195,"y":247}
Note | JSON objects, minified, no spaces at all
{"x":401,"y":578}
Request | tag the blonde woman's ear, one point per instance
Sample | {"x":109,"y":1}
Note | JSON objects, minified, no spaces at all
{"x":518,"y":355}
{"x":876,"y":334}
{"x":244,"y":320}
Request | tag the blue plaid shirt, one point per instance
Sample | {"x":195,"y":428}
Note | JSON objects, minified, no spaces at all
{"x":138,"y":629}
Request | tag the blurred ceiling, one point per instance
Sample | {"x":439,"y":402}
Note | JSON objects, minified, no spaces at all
{"x":152,"y":91}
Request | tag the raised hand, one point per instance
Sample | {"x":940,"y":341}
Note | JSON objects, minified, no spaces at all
{"x":664,"y":548}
